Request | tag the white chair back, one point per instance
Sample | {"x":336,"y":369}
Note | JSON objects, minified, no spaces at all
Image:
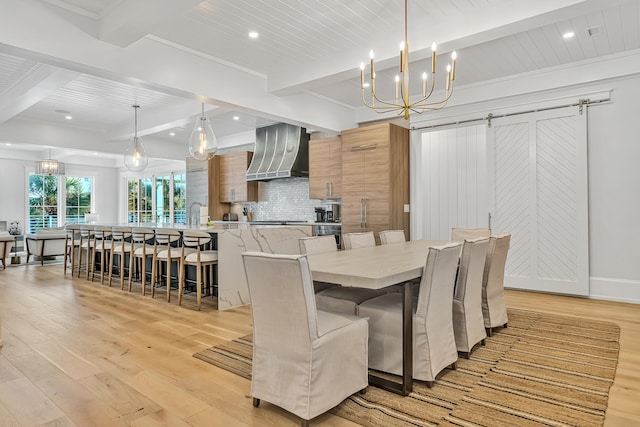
{"x":195,"y":238}
{"x":461,"y":234}
{"x":494,"y":309}
{"x":467,"y":298}
{"x":389,"y":237}
{"x":317,"y":245}
{"x":359,"y":240}
{"x":167,"y":237}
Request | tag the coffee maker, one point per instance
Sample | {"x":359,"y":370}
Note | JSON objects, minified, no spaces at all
{"x":333,"y":212}
{"x":321,"y":214}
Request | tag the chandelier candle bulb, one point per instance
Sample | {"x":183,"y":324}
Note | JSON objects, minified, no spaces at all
{"x":454,"y":55}
{"x":448,"y":76}
{"x":362,"y":75}
{"x":433,"y":57}
{"x":373,"y":73}
{"x":424,"y":84}
{"x":397,"y":81}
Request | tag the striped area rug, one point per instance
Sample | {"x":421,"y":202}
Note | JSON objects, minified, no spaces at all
{"x":542,"y":370}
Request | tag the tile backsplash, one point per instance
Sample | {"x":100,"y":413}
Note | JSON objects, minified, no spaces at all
{"x":281,"y":199}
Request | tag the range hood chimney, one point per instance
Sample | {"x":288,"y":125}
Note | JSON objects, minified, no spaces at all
{"x":282,"y":151}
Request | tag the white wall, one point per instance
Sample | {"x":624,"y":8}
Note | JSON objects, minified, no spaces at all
{"x":614,"y":176}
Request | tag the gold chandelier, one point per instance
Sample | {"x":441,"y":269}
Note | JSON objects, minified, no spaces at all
{"x":402,"y":105}
{"x":49,"y":166}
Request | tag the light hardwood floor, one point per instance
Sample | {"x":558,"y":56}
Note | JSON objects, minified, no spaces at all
{"x":78,"y":353}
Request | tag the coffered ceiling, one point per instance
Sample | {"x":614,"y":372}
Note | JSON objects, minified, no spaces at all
{"x":94,"y":59}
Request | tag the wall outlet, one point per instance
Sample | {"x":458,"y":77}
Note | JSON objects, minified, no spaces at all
{"x":406,"y":208}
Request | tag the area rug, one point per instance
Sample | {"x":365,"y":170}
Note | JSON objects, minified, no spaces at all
{"x":542,"y":370}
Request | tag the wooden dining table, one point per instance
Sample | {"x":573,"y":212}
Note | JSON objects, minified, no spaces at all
{"x":378,"y":267}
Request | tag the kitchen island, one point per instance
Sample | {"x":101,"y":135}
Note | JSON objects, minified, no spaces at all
{"x":232,"y":240}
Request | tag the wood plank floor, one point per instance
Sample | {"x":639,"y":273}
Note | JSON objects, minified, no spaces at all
{"x":81,"y":353}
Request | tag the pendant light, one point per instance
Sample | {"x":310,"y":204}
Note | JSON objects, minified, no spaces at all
{"x":202,"y":142}
{"x":49,"y":166}
{"x":135,"y":158}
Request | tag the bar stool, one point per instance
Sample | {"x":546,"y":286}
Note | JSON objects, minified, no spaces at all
{"x":102,"y":246}
{"x":86,"y":244}
{"x":165,"y":250}
{"x":142,"y":241}
{"x":120,"y":248}
{"x":195,"y":240}
{"x":72,"y":244}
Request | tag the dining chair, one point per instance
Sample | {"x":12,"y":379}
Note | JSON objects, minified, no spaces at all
{"x":166,"y":250}
{"x":142,"y":245}
{"x":388,"y":237}
{"x":305,"y":360}
{"x":494,"y":310}
{"x":317,"y":245}
{"x":72,"y":245}
{"x":6,"y":244}
{"x":192,"y":254}
{"x":434,"y":343}
{"x":120,"y":249}
{"x":460,"y":234}
{"x":358,"y":240}
{"x":343,"y":299}
{"x":101,"y":247}
{"x":468,"y":324}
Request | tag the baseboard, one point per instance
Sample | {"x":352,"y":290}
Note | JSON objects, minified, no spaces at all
{"x":614,"y":289}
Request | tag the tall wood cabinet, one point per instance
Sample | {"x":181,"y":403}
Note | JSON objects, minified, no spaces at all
{"x":325,"y":168}
{"x":234,"y":187}
{"x":375,"y":179}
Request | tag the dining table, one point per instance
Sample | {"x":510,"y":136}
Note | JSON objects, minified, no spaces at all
{"x":378,"y":267}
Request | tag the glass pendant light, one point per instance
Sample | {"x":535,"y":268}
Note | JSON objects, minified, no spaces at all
{"x":135,"y":158}
{"x":202,"y":142}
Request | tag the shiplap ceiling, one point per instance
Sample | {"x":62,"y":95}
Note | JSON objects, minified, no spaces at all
{"x":307,"y":54}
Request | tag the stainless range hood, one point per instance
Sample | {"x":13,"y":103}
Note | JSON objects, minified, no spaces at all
{"x":281,"y":151}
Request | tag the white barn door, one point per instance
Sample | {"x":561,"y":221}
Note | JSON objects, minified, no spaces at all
{"x":449,"y":181}
{"x":538,"y":192}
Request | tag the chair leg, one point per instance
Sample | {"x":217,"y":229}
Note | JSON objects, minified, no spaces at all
{"x":79,"y":262}
{"x":489,"y":331}
{"x":132,"y":259}
{"x":199,"y":284}
{"x":143,"y":265}
{"x":123,"y":259}
{"x":453,"y":366}
{"x":168,"y":279}
{"x":256,"y":402}
{"x":154,"y":272}
{"x":430,"y":384}
{"x":181,"y":269}
{"x":111,"y":268}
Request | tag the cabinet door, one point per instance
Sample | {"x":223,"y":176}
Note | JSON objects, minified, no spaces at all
{"x":234,"y":187}
{"x":352,"y":189}
{"x":335,"y":168}
{"x":225,"y":178}
{"x":376,"y":187}
{"x":319,"y":160}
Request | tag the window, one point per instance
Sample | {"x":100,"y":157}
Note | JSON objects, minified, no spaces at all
{"x":43,"y":202}
{"x":78,"y":198}
{"x":158,"y":199}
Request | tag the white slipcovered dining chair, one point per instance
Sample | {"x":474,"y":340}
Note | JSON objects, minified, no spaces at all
{"x":318,"y":245}
{"x":358,"y":240}
{"x":305,"y":360}
{"x":494,"y":310}
{"x":468,"y":324}
{"x":343,"y":299}
{"x":434,"y":344}
{"x":192,"y":254}
{"x":388,"y":237}
{"x":6,"y":244}
{"x":462,"y":234}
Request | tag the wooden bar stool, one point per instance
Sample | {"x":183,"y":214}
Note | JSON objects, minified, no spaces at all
{"x":102,"y":246}
{"x":166,"y":249}
{"x":142,"y":245}
{"x":72,"y":246}
{"x":195,"y":241}
{"x":86,"y":244}
{"x":119,"y":248}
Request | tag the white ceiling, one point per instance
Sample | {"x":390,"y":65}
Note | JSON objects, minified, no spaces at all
{"x":96,"y":58}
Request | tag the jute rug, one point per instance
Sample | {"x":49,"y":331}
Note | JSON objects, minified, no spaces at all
{"x":541,"y":370}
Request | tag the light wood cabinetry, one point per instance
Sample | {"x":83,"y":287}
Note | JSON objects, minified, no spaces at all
{"x":325,"y":168}
{"x":375,"y":179}
{"x":233,"y":184}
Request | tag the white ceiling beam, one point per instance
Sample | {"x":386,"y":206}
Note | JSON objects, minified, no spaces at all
{"x":31,"y":88}
{"x":130,"y":20}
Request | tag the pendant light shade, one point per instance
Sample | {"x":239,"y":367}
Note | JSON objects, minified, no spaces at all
{"x":49,"y":166}
{"x":135,"y":158}
{"x":202,"y":142}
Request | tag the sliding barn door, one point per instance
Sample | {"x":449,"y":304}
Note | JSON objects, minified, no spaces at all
{"x":537,"y":166}
{"x":449,"y":181}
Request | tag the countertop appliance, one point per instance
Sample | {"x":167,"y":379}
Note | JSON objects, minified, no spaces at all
{"x":330,"y":230}
{"x":230,"y":217}
{"x":321,"y":214}
{"x":333,"y":212}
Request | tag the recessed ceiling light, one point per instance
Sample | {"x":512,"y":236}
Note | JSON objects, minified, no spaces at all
{"x":253,"y":34}
{"x":63,"y":111}
{"x":8,"y":144}
{"x":568,"y":35}
{"x":68,"y":117}
{"x":236,"y":118}
{"x":172,"y":133}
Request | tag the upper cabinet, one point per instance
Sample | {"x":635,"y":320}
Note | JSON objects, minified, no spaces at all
{"x":325,"y":168}
{"x":375,"y":179}
{"x":234,"y":187}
